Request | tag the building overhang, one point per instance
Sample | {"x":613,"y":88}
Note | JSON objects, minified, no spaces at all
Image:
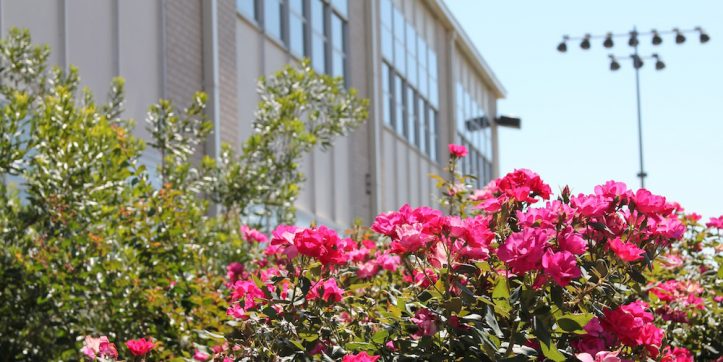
{"x":440,"y":9}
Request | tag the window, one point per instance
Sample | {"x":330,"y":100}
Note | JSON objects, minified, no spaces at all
{"x":338,"y":55}
{"x":297,"y":27}
{"x":318,"y":36}
{"x":387,"y":95}
{"x":308,"y":28}
{"x":409,"y":81}
{"x":247,"y":8}
{"x":477,"y":140}
{"x":272,"y":18}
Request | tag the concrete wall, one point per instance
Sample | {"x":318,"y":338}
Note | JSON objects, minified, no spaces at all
{"x":103,"y":39}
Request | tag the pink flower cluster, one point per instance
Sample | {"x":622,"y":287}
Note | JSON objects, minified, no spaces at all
{"x":679,"y":297}
{"x":629,"y":325}
{"x":520,"y":185}
{"x":457,"y":151}
{"x":252,"y":235}
{"x":360,"y":357}
{"x":99,"y":347}
{"x":426,"y":231}
{"x":320,"y":243}
{"x":140,"y":347}
{"x":715,"y":222}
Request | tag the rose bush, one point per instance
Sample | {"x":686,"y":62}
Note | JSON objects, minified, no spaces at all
{"x":508,"y":273}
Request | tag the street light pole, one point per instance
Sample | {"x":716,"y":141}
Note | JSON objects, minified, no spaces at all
{"x":585,"y":44}
{"x":642,"y":173}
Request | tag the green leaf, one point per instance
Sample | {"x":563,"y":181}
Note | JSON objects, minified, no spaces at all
{"x":574,"y":323}
{"x":491,"y":321}
{"x":542,"y":328}
{"x":380,"y":337}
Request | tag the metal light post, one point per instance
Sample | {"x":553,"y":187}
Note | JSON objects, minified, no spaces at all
{"x":634,"y":41}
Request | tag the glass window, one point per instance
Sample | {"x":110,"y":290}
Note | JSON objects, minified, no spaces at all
{"x":337,"y":32}
{"x":337,"y":40}
{"x":420,"y":113}
{"x":411,"y":124}
{"x":341,"y":6}
{"x":432,"y":125}
{"x":247,"y":8}
{"x":386,"y":10}
{"x":399,"y":49}
{"x":272,"y":17}
{"x":399,"y":104}
{"x":411,"y":55}
{"x":318,"y":37}
{"x":297,"y":27}
{"x":337,"y":64}
{"x":387,"y":95}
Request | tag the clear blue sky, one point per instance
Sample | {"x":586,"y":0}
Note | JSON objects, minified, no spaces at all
{"x":579,"y":124}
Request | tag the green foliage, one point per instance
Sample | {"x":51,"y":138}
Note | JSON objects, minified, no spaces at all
{"x":90,"y":247}
{"x":299,"y":109}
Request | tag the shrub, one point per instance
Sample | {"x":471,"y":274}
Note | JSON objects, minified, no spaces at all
{"x":91,"y":248}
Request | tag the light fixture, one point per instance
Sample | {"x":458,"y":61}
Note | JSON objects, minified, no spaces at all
{"x":614,"y":65}
{"x":633,"y":42}
{"x":585,"y":44}
{"x":659,"y":65}
{"x":563,"y":45}
{"x":657,"y":40}
{"x":608,"y":43}
{"x":508,"y":121}
{"x":704,"y":37}
{"x":679,"y":37}
{"x":637,"y":61}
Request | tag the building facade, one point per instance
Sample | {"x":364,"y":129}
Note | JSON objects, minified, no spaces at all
{"x":423,"y":77}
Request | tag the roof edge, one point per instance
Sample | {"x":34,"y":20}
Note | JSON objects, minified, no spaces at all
{"x":469,"y":48}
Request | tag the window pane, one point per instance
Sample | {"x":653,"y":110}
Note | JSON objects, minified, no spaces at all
{"x":247,"y":8}
{"x":296,"y":35}
{"x":386,"y":10}
{"x":337,"y":64}
{"x":337,"y":32}
{"x":387,"y":41}
{"x":317,"y":16}
{"x":420,"y":118}
{"x":422,"y":52}
{"x":387,"y":96}
{"x":272,"y":17}
{"x":318,"y":59}
{"x":411,"y":55}
{"x":296,"y":6}
{"x":399,"y":104}
{"x":433,"y":134}
{"x":411,"y":124}
{"x":340,"y":6}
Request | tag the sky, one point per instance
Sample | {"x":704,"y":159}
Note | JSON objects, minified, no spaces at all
{"x":579,"y":119}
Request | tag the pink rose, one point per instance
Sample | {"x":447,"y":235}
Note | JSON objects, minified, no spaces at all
{"x":140,"y":347}
{"x":360,"y":357}
{"x":457,"y":151}
{"x":626,"y":251}
{"x":410,"y":238}
{"x":332,"y":292}
{"x":252,"y":235}
{"x":522,"y":251}
{"x":321,"y":243}
{"x":426,"y":322}
{"x":715,"y":222}
{"x":561,"y":266}
{"x":201,"y":356}
{"x":602,"y":356}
